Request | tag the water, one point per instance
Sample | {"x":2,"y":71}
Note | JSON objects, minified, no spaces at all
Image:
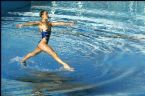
{"x":106,"y":46}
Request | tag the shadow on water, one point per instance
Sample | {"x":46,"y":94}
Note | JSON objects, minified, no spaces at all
{"x":43,"y":83}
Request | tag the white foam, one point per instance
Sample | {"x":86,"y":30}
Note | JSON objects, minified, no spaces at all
{"x":18,"y":59}
{"x":15,"y":59}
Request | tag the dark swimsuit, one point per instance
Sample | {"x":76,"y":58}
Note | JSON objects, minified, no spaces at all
{"x":46,"y":35}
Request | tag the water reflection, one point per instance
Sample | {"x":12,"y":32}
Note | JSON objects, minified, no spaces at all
{"x":46,"y":82}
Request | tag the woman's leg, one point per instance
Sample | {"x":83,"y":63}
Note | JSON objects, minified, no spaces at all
{"x":51,"y":52}
{"x":31,"y":54}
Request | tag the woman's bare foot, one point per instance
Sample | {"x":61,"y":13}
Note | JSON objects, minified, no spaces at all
{"x":68,"y":68}
{"x":23,"y":63}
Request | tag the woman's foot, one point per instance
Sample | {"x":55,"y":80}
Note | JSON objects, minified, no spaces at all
{"x":23,"y":63}
{"x":68,"y":68}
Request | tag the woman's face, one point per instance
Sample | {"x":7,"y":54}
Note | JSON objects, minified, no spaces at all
{"x":45,"y":15}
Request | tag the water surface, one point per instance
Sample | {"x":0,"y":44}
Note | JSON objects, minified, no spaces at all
{"x":106,"y":46}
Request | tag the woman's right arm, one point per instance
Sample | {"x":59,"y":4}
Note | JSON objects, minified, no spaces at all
{"x":28,"y":24}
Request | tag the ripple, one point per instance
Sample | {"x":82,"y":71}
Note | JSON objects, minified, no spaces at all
{"x":106,"y":48}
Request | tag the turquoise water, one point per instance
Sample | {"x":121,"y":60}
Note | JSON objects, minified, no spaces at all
{"x":106,"y":46}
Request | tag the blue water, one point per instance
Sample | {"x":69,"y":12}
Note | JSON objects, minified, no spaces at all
{"x":106,"y":46}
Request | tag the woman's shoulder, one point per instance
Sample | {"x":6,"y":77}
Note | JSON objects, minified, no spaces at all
{"x":49,"y":23}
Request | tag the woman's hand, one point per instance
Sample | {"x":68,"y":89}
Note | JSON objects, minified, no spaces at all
{"x":71,"y":23}
{"x":19,"y":25}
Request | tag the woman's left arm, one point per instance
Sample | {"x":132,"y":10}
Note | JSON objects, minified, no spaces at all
{"x":62,"y":23}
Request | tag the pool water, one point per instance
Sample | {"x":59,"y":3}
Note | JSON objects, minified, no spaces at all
{"x":106,"y":46}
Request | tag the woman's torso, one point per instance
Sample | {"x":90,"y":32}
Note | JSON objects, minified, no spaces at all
{"x":45,"y":29}
{"x":44,"y":26}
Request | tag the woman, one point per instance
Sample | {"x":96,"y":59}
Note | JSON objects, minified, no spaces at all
{"x":45,"y":28}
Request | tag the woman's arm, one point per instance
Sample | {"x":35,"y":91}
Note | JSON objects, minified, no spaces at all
{"x":62,"y":23}
{"x":28,"y":24}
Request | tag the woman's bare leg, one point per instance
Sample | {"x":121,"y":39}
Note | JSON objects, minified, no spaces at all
{"x":31,"y":54}
{"x":51,"y":52}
